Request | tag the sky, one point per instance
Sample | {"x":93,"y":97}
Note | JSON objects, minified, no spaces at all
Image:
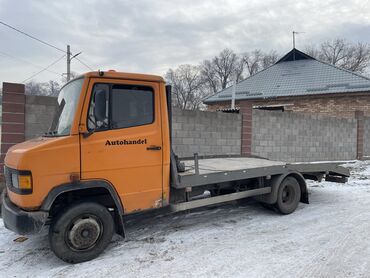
{"x":148,"y":36}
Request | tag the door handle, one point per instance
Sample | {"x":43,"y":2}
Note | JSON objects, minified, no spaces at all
{"x":154,"y":148}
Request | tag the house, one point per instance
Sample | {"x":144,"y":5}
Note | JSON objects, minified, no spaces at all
{"x":300,"y":83}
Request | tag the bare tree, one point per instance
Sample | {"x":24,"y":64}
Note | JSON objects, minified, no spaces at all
{"x":358,"y":58}
{"x":209,"y":77}
{"x":258,"y":60}
{"x":268,"y":59}
{"x":351,"y":56}
{"x":73,"y":75}
{"x":224,"y":65}
{"x":50,"y":88}
{"x":252,"y":61}
{"x":312,"y":50}
{"x":219,"y":72}
{"x":191,"y":84}
{"x":187,"y":86}
{"x":54,"y":88}
{"x":35,"y":88}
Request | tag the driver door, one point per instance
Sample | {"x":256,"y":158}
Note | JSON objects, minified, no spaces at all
{"x":125,"y":147}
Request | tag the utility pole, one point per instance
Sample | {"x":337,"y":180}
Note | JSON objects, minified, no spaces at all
{"x":294,"y":32}
{"x":68,"y":63}
{"x":69,"y":59}
{"x":233,"y":92}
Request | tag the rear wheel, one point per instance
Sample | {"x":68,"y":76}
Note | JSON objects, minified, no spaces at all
{"x":268,"y":206}
{"x":288,"y":197}
{"x":81,"y":232}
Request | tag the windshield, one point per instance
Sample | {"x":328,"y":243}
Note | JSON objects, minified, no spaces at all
{"x":67,"y":104}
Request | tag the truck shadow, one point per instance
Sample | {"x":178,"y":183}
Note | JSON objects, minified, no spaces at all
{"x":151,"y":225}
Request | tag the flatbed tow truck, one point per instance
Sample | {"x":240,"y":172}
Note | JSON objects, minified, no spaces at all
{"x":108,"y":155}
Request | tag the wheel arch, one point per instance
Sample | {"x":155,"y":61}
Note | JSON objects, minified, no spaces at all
{"x":271,"y":198}
{"x":87,"y":189}
{"x":303,"y":185}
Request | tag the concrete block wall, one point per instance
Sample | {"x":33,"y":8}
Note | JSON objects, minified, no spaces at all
{"x":292,"y":136}
{"x":39,"y":112}
{"x":206,"y":133}
{"x":367,"y":137}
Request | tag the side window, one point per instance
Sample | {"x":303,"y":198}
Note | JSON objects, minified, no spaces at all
{"x":92,"y":122}
{"x":131,"y":106}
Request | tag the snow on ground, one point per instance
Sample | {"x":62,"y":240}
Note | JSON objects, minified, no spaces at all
{"x":327,"y":238}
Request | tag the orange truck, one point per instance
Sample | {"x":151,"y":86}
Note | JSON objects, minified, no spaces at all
{"x":108,"y":154}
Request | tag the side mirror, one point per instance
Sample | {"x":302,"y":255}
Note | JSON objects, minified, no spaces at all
{"x":100,"y":108}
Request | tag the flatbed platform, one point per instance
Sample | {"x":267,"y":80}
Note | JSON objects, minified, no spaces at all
{"x":217,"y":170}
{"x":214,"y":165}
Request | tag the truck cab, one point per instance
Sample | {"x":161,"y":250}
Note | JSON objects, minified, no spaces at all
{"x":108,"y":145}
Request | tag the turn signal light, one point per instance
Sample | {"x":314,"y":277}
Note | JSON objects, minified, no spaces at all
{"x":25,"y":182}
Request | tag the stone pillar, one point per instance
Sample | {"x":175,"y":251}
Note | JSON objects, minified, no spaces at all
{"x":246,"y":111}
{"x":12,"y":126}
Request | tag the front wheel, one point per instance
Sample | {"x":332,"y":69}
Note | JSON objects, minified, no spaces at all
{"x":288,"y":197}
{"x":81,"y":232}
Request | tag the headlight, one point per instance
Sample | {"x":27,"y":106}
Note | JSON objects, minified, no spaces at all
{"x":19,"y":181}
{"x":15,"y":180}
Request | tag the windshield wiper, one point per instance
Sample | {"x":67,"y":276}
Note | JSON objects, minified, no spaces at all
{"x":53,"y":129}
{"x":50,"y":133}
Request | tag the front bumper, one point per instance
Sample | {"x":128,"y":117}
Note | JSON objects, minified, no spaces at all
{"x":20,"y":221}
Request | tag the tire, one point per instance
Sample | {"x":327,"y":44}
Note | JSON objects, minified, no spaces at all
{"x":288,"y":197}
{"x":81,"y":232}
{"x":268,"y":206}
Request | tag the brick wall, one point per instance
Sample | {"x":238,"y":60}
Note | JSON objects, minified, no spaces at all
{"x":206,"y":133}
{"x":13,"y":125}
{"x":337,"y":105}
{"x":303,"y":137}
{"x":23,"y":116}
{"x":246,"y":112}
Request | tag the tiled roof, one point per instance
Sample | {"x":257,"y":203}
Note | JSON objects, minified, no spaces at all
{"x":296,"y":74}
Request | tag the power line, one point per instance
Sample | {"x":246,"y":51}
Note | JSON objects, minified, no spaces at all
{"x":50,"y":45}
{"x":83,"y":63}
{"x":46,"y":68}
{"x":32,"y":37}
{"x":25,"y":61}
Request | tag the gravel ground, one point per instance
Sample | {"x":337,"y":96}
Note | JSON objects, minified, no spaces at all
{"x":327,"y":238}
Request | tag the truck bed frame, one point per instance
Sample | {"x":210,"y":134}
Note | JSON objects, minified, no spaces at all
{"x":228,"y":169}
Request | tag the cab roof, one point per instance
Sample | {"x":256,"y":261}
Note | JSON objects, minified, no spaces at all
{"x":124,"y":75}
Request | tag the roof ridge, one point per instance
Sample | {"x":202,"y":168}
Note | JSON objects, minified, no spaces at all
{"x":343,"y":69}
{"x":250,"y":76}
{"x":330,"y":78}
{"x":294,"y":51}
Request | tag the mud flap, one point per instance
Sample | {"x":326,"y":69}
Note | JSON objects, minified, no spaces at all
{"x":304,"y":198}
